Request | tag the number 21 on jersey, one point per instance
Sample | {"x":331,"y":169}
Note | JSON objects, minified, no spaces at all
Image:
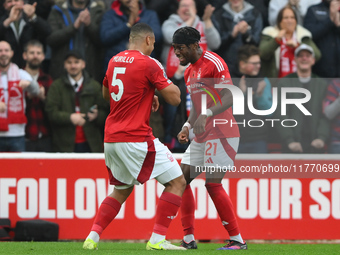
{"x":117,"y":82}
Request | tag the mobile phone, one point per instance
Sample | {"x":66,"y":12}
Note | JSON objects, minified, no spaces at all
{"x":92,"y":108}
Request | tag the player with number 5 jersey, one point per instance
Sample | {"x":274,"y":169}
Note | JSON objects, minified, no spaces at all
{"x":132,"y":78}
{"x":132,"y":154}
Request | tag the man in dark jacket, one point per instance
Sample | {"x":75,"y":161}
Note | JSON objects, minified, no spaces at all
{"x":19,"y":25}
{"x":75,"y":25}
{"x":116,"y":24}
{"x":76,"y":109}
{"x":239,"y":23}
{"x":323,"y":21}
{"x":311,"y":131}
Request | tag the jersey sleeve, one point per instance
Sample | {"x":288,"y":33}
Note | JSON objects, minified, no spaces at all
{"x":157,"y":75}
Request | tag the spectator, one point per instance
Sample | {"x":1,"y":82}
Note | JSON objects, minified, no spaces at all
{"x":76,"y":109}
{"x":13,"y":84}
{"x":252,"y":140}
{"x":116,"y":24}
{"x":38,"y":134}
{"x":278,"y":44}
{"x":323,"y":20}
{"x":311,"y":131}
{"x":163,"y":8}
{"x":239,"y":23}
{"x":332,"y":112}
{"x":261,"y":5}
{"x":21,"y":24}
{"x":75,"y":25}
{"x":299,"y":6}
{"x":186,"y":16}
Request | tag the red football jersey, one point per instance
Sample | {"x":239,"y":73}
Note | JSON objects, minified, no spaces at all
{"x":132,"y":78}
{"x":201,"y":78}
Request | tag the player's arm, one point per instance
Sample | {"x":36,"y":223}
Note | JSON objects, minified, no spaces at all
{"x":171,"y":94}
{"x":227,"y":101}
{"x":106,"y":93}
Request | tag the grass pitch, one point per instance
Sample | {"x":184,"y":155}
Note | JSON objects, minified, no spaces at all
{"x":74,"y":248}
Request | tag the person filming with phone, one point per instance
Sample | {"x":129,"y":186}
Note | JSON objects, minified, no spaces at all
{"x":76,"y":109}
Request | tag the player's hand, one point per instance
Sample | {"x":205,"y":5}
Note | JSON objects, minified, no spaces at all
{"x":155,"y":104}
{"x":295,"y":147}
{"x":199,"y":126}
{"x":317,"y":144}
{"x":29,"y":9}
{"x":183,"y":135}
{"x":3,"y":107}
{"x":77,"y":119}
{"x":24,"y":84}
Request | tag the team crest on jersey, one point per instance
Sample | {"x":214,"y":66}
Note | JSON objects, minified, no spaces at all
{"x":199,"y":74}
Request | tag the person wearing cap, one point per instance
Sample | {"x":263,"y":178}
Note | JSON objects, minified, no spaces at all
{"x":312,"y":131}
{"x":76,"y":109}
{"x":213,"y":145}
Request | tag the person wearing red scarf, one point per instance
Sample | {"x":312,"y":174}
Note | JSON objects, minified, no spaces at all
{"x":278,"y":44}
{"x":13,"y":83}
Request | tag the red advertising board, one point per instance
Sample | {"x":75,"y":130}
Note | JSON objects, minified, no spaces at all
{"x":275,"y":197}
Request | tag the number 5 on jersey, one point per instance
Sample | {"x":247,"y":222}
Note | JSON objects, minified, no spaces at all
{"x":117,"y":82}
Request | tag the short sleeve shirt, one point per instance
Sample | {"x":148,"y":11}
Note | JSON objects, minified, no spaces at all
{"x":132,"y":78}
{"x":201,"y":79}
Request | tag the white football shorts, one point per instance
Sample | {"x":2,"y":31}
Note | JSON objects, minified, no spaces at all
{"x":134,"y":163}
{"x":215,"y":152}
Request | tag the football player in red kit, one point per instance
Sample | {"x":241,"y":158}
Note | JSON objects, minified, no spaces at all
{"x":207,"y":78}
{"x":132,"y":154}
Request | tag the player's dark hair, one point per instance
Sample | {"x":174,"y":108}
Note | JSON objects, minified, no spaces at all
{"x":246,"y":51}
{"x":140,"y":28}
{"x":186,"y":35}
{"x":33,"y":43}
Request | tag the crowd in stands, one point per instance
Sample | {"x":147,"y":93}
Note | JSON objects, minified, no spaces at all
{"x":54,"y":55}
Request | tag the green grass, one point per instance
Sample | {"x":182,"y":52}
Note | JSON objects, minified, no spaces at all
{"x":74,"y":248}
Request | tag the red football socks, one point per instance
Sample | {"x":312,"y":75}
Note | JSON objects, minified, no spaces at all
{"x":167,"y":208}
{"x":188,"y":211}
{"x":108,"y":210}
{"x":224,"y":207}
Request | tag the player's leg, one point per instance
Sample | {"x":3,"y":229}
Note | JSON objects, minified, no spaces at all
{"x":191,"y":157}
{"x":107,"y":211}
{"x":223,"y":159}
{"x":117,"y":165}
{"x":167,"y":208}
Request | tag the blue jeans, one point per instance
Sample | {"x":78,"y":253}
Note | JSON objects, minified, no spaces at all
{"x":12,"y":144}
{"x":253,"y":147}
{"x":334,"y":148}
